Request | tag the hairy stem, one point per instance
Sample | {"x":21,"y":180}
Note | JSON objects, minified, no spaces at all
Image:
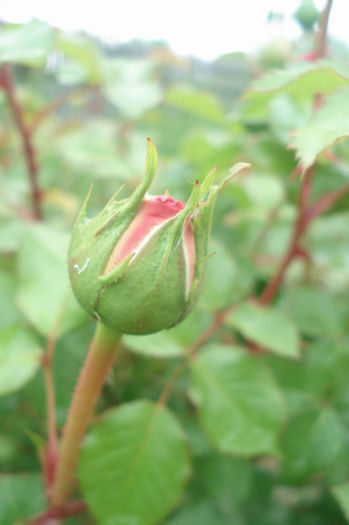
{"x":99,"y":360}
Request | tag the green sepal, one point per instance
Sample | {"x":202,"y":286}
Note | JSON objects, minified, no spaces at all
{"x":148,"y":296}
{"x":116,"y":272}
{"x":147,"y":291}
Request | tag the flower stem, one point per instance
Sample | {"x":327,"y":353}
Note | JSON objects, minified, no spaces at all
{"x":94,"y":372}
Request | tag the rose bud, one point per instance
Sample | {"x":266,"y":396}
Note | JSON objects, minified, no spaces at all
{"x":139,"y":264}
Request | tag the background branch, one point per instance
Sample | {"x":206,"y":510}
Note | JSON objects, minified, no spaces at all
{"x":8,"y":85}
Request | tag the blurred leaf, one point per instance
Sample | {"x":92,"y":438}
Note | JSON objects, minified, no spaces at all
{"x":134,"y":464}
{"x":44,"y":292}
{"x":311,"y":442}
{"x":11,"y":233}
{"x":301,"y":80}
{"x":9,"y":311}
{"x":188,"y":330}
{"x":341,"y":493}
{"x":265,"y":191}
{"x":71,"y":73}
{"x":134,"y":100}
{"x":92,"y":149}
{"x":339,"y":393}
{"x":306,"y":382}
{"x":161,"y":344}
{"x":316,"y":312}
{"x":202,"y":513}
{"x":326,"y":126}
{"x":330,"y":245}
{"x":19,"y":358}
{"x":27,"y":44}
{"x":284,"y":116}
{"x":221,"y":279}
{"x":214,"y":147}
{"x":130,"y":88}
{"x":240,"y":406}
{"x":21,"y":496}
{"x":226,"y":479}
{"x":199,"y":104}
{"x":81,"y":56}
{"x":267,"y":327}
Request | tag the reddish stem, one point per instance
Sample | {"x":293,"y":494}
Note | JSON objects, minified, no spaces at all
{"x":321,"y":47}
{"x":305,"y":215}
{"x":51,"y":453}
{"x":56,"y":104}
{"x":325,"y":202}
{"x":293,"y":249}
{"x":68,"y":509}
{"x":8,"y":85}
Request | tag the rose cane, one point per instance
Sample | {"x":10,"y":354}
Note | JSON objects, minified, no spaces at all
{"x":137,"y":268}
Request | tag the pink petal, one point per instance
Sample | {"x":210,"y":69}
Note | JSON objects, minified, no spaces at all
{"x":152,"y":213}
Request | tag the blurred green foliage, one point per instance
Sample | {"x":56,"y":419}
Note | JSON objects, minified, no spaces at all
{"x":249,"y":436}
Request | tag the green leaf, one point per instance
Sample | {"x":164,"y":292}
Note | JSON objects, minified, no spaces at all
{"x":339,"y":393}
{"x":130,"y":87}
{"x":161,"y":344}
{"x":7,"y":449}
{"x":19,"y":358}
{"x":27,"y":44}
{"x":203,"y":513}
{"x":21,"y":496}
{"x":300,"y":80}
{"x":329,"y":240}
{"x":268,"y":327}
{"x":284,"y":116}
{"x":221,"y":279}
{"x":227,"y":480}
{"x":240,"y":406}
{"x":306,"y":381}
{"x":341,"y":493}
{"x":11,"y":232}
{"x":81,"y":57}
{"x":196,"y":103}
{"x":44,"y":290}
{"x":317,"y":313}
{"x":264,"y":192}
{"x":91,"y":149}
{"x":326,"y":126}
{"x":8,"y":309}
{"x":188,"y":330}
{"x":311,"y":442}
{"x":134,"y":465}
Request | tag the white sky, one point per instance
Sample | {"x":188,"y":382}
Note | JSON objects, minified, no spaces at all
{"x":206,"y":29}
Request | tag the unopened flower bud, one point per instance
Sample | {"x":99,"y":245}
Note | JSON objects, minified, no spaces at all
{"x":138,"y":265}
